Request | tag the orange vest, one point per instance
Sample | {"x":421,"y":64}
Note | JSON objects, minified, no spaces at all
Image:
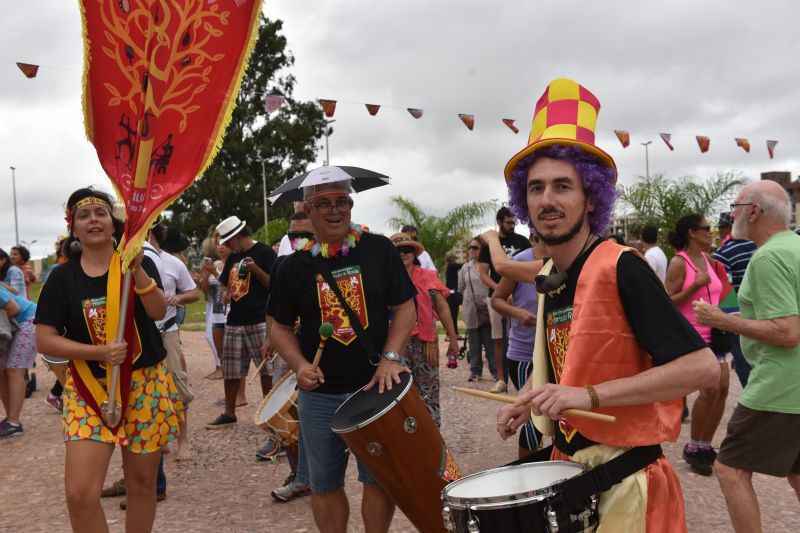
{"x":602,"y":347}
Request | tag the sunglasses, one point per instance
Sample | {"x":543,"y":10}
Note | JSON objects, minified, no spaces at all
{"x":550,"y":283}
{"x":473,"y":247}
{"x":406,"y":249}
{"x":300,"y":235}
{"x":704,"y":228}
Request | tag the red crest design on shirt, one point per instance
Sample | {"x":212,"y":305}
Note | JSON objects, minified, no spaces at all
{"x":351,"y":284}
{"x":238,"y":287}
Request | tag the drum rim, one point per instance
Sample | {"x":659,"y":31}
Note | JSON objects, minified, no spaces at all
{"x":266,"y":398}
{"x":376,"y":416}
{"x":487,"y":503}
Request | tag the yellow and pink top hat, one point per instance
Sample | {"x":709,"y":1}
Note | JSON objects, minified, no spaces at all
{"x":565,"y":114}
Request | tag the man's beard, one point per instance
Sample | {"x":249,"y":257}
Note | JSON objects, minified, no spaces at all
{"x":739,"y":229}
{"x":566,"y":237}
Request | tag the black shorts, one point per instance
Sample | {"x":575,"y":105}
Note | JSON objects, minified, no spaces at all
{"x":762,"y":441}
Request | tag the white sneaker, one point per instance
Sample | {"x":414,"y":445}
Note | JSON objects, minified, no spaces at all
{"x":500,"y":386}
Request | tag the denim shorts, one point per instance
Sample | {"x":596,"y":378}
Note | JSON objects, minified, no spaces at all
{"x":325,"y":451}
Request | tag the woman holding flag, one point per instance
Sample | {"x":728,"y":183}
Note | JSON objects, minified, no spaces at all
{"x":77,"y":312}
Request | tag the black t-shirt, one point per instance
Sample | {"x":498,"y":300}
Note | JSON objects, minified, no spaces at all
{"x":75,"y":304}
{"x":451,"y":276}
{"x":659,"y":328}
{"x":248,"y":296}
{"x":512,"y":244}
{"x":371,"y":277}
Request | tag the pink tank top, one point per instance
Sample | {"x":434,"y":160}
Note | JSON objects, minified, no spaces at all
{"x":710,"y":293}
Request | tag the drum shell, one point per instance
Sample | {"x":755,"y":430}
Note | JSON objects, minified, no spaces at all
{"x":411,"y":465}
{"x":285,"y":424}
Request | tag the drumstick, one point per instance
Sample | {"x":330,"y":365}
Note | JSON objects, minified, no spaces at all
{"x":325,"y":332}
{"x":505,"y":398}
{"x":258,"y":368}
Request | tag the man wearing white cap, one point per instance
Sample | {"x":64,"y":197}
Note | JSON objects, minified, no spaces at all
{"x":246,"y":276}
{"x":368,"y":269}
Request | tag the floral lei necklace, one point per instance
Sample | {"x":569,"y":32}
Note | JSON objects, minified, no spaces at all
{"x":330,"y":250}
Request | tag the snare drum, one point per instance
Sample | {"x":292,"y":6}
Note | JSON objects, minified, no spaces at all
{"x":516,"y":499}
{"x":394,"y":435}
{"x":278,"y":410}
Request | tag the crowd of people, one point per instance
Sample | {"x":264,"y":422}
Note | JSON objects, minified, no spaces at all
{"x":572,"y":318}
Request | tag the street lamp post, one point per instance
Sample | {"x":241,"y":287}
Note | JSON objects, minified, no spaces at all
{"x":327,"y":147}
{"x":14,"y":191}
{"x":647,"y":158}
{"x":264,"y":185}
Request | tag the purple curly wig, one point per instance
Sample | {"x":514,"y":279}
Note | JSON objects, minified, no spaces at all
{"x":598,"y":183}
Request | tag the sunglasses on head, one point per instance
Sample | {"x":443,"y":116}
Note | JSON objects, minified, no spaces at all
{"x":406,"y":249}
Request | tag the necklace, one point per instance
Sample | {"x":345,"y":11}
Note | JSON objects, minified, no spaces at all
{"x":328,"y":250}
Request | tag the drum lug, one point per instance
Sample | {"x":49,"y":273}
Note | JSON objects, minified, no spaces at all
{"x":375,"y":449}
{"x":552,"y":520}
{"x":447,"y":518}
{"x":473,"y":526}
{"x":410,"y":425}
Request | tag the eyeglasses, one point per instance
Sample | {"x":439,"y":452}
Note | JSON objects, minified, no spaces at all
{"x":343,"y":203}
{"x":406,"y":249}
{"x":734,"y":206}
{"x":473,"y":247}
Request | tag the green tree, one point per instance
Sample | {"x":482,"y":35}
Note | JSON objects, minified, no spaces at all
{"x":661,"y":201}
{"x":286,"y":142}
{"x":440,"y":234}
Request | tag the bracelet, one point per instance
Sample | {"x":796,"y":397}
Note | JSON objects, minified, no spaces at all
{"x":147,"y":290}
{"x":593,"y":395}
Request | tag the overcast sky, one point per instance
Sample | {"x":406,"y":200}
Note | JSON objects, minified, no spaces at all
{"x":722,"y":69}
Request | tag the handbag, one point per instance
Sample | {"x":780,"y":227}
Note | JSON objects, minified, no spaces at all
{"x":481,"y":308}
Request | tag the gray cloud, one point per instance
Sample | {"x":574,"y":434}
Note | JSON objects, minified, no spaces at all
{"x":718,"y":68}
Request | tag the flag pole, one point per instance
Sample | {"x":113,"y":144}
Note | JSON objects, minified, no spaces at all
{"x":110,"y":407}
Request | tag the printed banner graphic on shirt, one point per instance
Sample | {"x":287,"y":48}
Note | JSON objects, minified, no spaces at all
{"x":160,"y":84}
{"x":238,"y":286}
{"x":351,"y":284}
{"x":558,"y":324}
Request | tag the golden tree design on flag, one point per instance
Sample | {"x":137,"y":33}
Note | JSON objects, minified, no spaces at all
{"x":175,"y":53}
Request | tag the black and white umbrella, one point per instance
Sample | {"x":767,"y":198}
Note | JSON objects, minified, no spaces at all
{"x":361,"y":179}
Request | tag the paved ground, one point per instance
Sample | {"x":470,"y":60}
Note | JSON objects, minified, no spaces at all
{"x":223,"y":489}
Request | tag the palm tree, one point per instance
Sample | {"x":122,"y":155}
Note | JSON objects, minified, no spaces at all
{"x":662,"y":201}
{"x":440,"y":234}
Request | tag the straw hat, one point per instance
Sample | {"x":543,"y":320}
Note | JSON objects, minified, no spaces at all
{"x":402,"y":239}
{"x":565,"y":114}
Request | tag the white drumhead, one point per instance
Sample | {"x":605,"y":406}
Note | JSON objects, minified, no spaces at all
{"x":277,"y":398}
{"x":506,"y":481}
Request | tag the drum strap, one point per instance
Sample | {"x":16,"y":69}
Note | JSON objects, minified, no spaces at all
{"x":601,"y":478}
{"x":355,"y":322}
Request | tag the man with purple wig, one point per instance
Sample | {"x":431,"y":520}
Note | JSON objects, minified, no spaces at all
{"x":608,"y":338}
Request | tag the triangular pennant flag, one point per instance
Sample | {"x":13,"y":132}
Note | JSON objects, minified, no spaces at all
{"x":624,"y":137}
{"x":273,"y":102}
{"x":743,"y":143}
{"x":771,"y":148}
{"x":510,"y":123}
{"x":666,"y":137}
{"x":416,"y":113}
{"x":372,"y":109}
{"x":28,"y":69}
{"x":328,"y":106}
{"x":468,"y":120}
{"x":703,"y":142}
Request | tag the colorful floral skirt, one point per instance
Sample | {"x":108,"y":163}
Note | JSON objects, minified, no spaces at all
{"x":425,"y":375}
{"x":149,"y":422}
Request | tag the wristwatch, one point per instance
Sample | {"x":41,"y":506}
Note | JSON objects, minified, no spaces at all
{"x":395,"y":358}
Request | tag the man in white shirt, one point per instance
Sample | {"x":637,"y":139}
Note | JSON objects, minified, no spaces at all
{"x":653,"y":253}
{"x":424,"y":258}
{"x":179,"y":290}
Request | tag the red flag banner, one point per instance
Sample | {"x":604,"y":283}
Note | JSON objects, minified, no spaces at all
{"x":468,"y":120}
{"x":743,"y":143}
{"x":29,"y":70}
{"x":624,"y":137}
{"x":510,"y":122}
{"x":771,"y":148}
{"x":328,"y":106}
{"x":703,"y":142}
{"x":667,"y":137}
{"x":372,"y":109}
{"x":416,"y":113}
{"x":273,"y":102}
{"x":157,"y":102}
